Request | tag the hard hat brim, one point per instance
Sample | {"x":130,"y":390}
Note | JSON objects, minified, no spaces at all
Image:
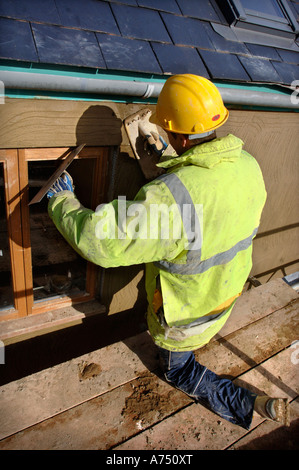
{"x":154,"y":120}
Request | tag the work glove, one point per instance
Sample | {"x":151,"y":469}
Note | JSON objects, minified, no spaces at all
{"x":63,"y":183}
{"x":152,"y":141}
{"x":155,"y":142}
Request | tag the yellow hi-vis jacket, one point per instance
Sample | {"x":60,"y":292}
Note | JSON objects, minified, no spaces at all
{"x":193,"y":227}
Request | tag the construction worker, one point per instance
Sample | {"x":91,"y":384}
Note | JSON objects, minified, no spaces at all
{"x":193,"y":226}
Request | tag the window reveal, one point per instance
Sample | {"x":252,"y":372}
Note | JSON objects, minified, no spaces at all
{"x":57,"y":269}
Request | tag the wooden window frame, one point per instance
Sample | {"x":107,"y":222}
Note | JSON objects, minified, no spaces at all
{"x":15,"y":162}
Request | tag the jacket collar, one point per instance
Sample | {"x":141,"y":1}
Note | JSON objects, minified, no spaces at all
{"x":207,"y":155}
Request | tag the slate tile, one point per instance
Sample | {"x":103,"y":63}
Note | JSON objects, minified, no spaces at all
{"x":128,"y":54}
{"x":16,"y":40}
{"x":224,"y":66}
{"x":222,"y":44}
{"x":170,"y":6}
{"x":288,"y":72}
{"x":263,"y":51}
{"x":187,"y":31}
{"x":140,"y":23}
{"x":291,"y":57}
{"x":90,"y":14}
{"x":67,"y":46}
{"x":196,"y":9}
{"x":178,"y":59}
{"x":127,"y":2}
{"x":33,"y":10}
{"x":260,"y":70}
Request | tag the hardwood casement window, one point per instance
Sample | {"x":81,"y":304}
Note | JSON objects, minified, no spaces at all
{"x":39,"y":269}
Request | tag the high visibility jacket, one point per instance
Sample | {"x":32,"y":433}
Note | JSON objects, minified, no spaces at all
{"x":193,"y":227}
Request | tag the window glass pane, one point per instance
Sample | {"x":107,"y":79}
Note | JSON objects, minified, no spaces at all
{"x":268,"y":7}
{"x":6,"y":292}
{"x":57,"y":269}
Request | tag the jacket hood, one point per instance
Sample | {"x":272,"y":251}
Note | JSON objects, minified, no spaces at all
{"x":207,"y":155}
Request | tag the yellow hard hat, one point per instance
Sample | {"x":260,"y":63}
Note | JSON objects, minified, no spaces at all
{"x":189,"y":104}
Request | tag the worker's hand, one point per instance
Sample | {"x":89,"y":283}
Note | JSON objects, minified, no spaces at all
{"x":63,"y":183}
{"x":155,"y":142}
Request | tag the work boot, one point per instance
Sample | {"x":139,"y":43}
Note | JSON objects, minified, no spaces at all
{"x":275,"y":409}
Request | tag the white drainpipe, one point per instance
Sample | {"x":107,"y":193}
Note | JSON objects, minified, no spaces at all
{"x":145,"y":90}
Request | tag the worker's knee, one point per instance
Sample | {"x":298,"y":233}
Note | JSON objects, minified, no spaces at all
{"x":180,"y":369}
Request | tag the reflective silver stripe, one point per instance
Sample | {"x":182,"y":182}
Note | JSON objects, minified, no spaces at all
{"x":201,"y":320}
{"x":194,"y":264}
{"x":183,"y":200}
{"x":184,"y":332}
{"x":226,"y":256}
{"x":197,"y":267}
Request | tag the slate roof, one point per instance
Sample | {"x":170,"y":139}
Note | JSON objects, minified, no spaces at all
{"x":148,"y":36}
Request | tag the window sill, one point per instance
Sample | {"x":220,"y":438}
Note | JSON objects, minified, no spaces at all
{"x":20,"y":329}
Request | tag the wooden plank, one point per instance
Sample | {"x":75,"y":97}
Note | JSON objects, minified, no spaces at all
{"x":34,"y":402}
{"x":123,"y":362}
{"x":58,"y":123}
{"x":195,"y":428}
{"x":276,"y":294}
{"x":258,"y":302}
{"x":141,"y":413}
{"x":100,"y":419}
{"x":249,"y":346}
{"x":192,"y":428}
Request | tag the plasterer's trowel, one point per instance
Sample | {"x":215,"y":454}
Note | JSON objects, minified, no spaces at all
{"x":66,"y":162}
{"x":139,"y":130}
